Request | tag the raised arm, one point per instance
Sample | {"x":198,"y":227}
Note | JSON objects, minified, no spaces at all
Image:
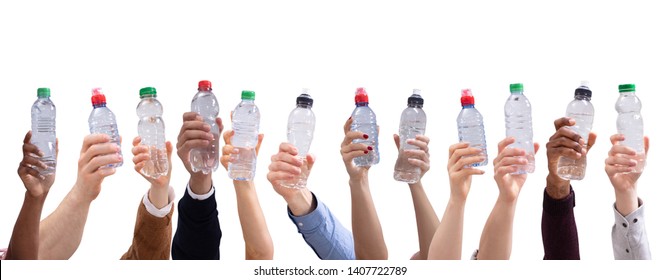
{"x":447,"y":241}
{"x":497,"y":235}
{"x":24,"y":243}
{"x":629,"y":238}
{"x":61,"y":232}
{"x":322,"y":231}
{"x":258,"y":243}
{"x":367,"y":232}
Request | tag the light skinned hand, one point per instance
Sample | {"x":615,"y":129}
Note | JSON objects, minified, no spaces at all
{"x":141,"y":156}
{"x":505,"y":163}
{"x":350,"y":150}
{"x":461,"y":157}
{"x":286,"y":165}
{"x":194,"y":133}
{"x":619,"y":164}
{"x":229,"y":152}
{"x":418,"y":158}
{"x":35,"y":184}
{"x":97,"y":152}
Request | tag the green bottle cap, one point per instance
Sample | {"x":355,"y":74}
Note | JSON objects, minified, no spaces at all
{"x":147,"y":91}
{"x":43,"y":92}
{"x":626,"y":87}
{"x":516,"y":88}
{"x":247,"y":94}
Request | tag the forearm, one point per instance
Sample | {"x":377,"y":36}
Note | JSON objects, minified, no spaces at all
{"x":152,"y":235}
{"x":24,"y":243}
{"x":61,"y":232}
{"x":447,"y":242}
{"x":629,"y":238}
{"x":496,"y":238}
{"x":258,"y":242}
{"x":427,"y":220}
{"x":367,"y":231}
{"x":558,"y":228}
{"x":198,"y":231}
{"x":626,"y":201}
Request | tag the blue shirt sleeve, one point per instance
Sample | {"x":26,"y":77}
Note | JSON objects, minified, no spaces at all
{"x":329,"y":239}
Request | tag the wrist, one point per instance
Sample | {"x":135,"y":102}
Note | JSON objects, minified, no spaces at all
{"x":301,"y":202}
{"x":79,"y":197}
{"x":200,"y":183}
{"x":39,"y":199}
{"x":358,"y":181}
{"x":557,"y":188}
{"x":243,"y":184}
{"x":158,"y":196}
{"x":626,"y":201}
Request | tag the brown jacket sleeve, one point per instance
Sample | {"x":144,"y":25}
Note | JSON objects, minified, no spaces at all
{"x":152,"y":236}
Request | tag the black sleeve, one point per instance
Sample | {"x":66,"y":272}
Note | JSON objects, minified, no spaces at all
{"x":198,"y":231}
{"x":560,"y":235}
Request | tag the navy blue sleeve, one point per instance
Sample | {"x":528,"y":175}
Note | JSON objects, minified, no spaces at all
{"x":198,"y":231}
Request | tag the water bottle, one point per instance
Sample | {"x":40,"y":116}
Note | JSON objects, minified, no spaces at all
{"x":630,"y":123}
{"x":518,"y":113}
{"x":471,"y":126}
{"x":300,"y":131}
{"x":43,"y":130}
{"x":102,"y":120}
{"x":206,"y":105}
{"x":581,"y":110}
{"x":364,"y":120}
{"x":413,"y":123}
{"x":245,"y":123}
{"x":151,"y":129}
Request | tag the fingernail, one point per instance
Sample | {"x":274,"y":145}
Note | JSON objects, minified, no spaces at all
{"x":235,"y":150}
{"x":370,"y":148}
{"x":366,"y":152}
{"x":365,"y":136}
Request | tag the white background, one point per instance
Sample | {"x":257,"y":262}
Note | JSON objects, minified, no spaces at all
{"x":276,"y":48}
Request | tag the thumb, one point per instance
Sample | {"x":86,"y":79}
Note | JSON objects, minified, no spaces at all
{"x":397,"y":141}
{"x":259,"y":139}
{"x":310,"y":161}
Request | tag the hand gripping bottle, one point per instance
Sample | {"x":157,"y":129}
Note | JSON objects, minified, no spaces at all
{"x":413,"y":123}
{"x":518,"y":113}
{"x":102,"y":120}
{"x":364,"y":120}
{"x":245,"y":123}
{"x":630,"y":123}
{"x":43,"y":130}
{"x":151,"y":129}
{"x":206,"y":105}
{"x":300,"y":132}
{"x":581,"y":110}
{"x":471,"y":126}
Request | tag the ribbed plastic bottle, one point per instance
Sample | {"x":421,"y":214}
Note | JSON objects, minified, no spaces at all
{"x":300,"y":132}
{"x":102,"y":120}
{"x":582,"y":111}
{"x":245,"y":123}
{"x":43,"y":130}
{"x":151,"y":129}
{"x":518,"y":113}
{"x":364,"y":120}
{"x":471,"y":126}
{"x":412,"y":123}
{"x":630,"y":123}
{"x":206,"y":160}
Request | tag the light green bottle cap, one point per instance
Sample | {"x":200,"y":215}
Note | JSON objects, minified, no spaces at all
{"x":43,"y":92}
{"x":516,"y":88}
{"x":147,"y":91}
{"x":247,"y":94}
{"x":626,"y":87}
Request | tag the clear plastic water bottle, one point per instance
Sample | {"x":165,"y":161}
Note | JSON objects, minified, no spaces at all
{"x":151,"y":129}
{"x":245,"y":123}
{"x":582,"y":111}
{"x":471,"y":126}
{"x":630,"y":123}
{"x":518,"y":113}
{"x":43,"y":130}
{"x":102,"y":120}
{"x":413,"y":123}
{"x":364,"y":120}
{"x":206,"y":105}
{"x":300,"y":132}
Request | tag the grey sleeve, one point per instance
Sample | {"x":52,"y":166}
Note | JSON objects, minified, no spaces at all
{"x":629,"y":239}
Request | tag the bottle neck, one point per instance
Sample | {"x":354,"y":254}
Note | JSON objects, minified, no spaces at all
{"x":582,"y":97}
{"x":361,"y":104}
{"x":148,"y":96}
{"x":306,"y":106}
{"x":98,"y":105}
{"x":468,"y":106}
{"x":418,"y":106}
{"x":516,"y":93}
{"x":204,"y":89}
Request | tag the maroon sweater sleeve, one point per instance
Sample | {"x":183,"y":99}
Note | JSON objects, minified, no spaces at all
{"x":560,"y":237}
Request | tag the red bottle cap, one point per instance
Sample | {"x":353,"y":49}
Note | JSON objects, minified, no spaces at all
{"x":466,"y":97}
{"x":204,"y":85}
{"x":361,"y":96}
{"x":97,"y":97}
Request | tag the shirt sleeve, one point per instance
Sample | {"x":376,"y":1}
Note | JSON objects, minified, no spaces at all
{"x":198,"y":233}
{"x":329,"y":239}
{"x":152,"y":235}
{"x":558,"y":228}
{"x":629,"y":240}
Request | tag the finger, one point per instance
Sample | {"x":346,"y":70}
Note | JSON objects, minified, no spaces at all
{"x":195,"y":135}
{"x":504,"y":170}
{"x":506,"y":142}
{"x":229,"y":150}
{"x":565,"y":152}
{"x":221,"y":127}
{"x":418,"y":143}
{"x":462,"y":152}
{"x":347,"y":125}
{"x":192,"y":144}
{"x":353,"y":147}
{"x":614,"y":169}
{"x":28,"y":136}
{"x":192,"y":116}
{"x":281,"y":166}
{"x":275,"y":177}
{"x":419,"y":163}
{"x":30,"y":149}
{"x":32,"y":161}
{"x":169,"y":148}
{"x":509,"y":161}
{"x":396,"y":141}
{"x":536,"y":147}
{"x":140,"y":149}
{"x":287,"y":158}
{"x":617,"y":150}
{"x":565,"y":132}
{"x":616,"y":138}
{"x":100,"y":161}
{"x":226,"y":136}
{"x":567,"y":143}
{"x":94,"y":139}
{"x":98,"y":150}
{"x":311,"y":159}
{"x":105,"y":172}
{"x":646,"y":145}
{"x":465,"y":172}
{"x":467,"y":161}
{"x":141,"y":158}
{"x":454,"y":147}
{"x":138,"y":167}
{"x":351,"y":155}
{"x":288,"y":148}
{"x":57,"y":147}
{"x":259,"y":139}
{"x":352,"y":135}
{"x":564,"y":121}
{"x":418,"y":154}
{"x":136,"y":141}
{"x":26,"y":170}
{"x":197,"y":128}
{"x":591,"y":141}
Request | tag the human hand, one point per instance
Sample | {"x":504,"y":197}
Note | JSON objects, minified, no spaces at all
{"x":229,"y":153}
{"x":506,"y":163}
{"x":35,"y":184}
{"x":418,"y":158}
{"x":566,"y":143}
{"x":195,"y":133}
{"x":619,"y":164}
{"x":350,"y":150}
{"x":97,"y":152}
{"x":461,"y":157}
{"x":286,"y":165}
{"x":140,"y":158}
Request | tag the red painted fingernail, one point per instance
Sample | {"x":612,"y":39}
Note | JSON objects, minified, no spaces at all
{"x":365,"y":136}
{"x":370,"y":148}
{"x":366,"y":152}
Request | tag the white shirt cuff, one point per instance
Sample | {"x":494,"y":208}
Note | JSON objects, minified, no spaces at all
{"x":200,"y":196}
{"x":162,"y":212}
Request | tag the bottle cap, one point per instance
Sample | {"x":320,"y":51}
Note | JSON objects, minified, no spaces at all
{"x":515,"y":88}
{"x":415,"y":98}
{"x":147,"y":91}
{"x":466,"y":97}
{"x":361,"y":96}
{"x":626,"y":87}
{"x":305,"y":98}
{"x":97,"y":97}
{"x":583,"y":89}
{"x":43,"y":92}
{"x":247,"y":94}
{"x":204,"y":85}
